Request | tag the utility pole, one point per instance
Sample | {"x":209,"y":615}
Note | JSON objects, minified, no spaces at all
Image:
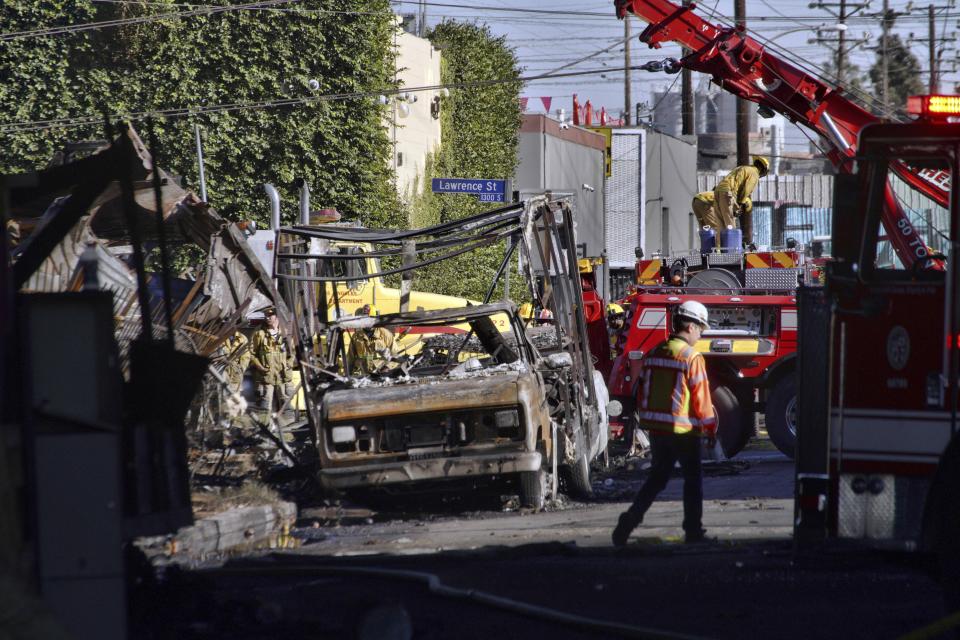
{"x":687,"y":104}
{"x":743,"y":106}
{"x":932,"y":37}
{"x":841,"y":43}
{"x":844,"y":10}
{"x":884,"y":67}
{"x":935,"y":46}
{"x":627,"y":93}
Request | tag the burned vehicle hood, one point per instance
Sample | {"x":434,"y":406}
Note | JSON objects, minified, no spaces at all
{"x":431,"y":394}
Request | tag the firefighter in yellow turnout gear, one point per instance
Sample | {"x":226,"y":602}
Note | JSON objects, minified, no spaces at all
{"x":616,"y":318}
{"x":272,"y":363}
{"x":237,"y":354}
{"x":705,"y":211}
{"x":370,"y":349}
{"x":674,"y":404}
{"x":732,"y":196}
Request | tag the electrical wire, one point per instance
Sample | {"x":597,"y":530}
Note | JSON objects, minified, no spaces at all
{"x":592,"y":55}
{"x":90,"y":26}
{"x":772,"y":8}
{"x":180,"y":112}
{"x":813,"y":69}
{"x":550,"y":12}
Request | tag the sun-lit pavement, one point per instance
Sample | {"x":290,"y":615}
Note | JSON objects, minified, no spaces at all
{"x":747,"y":499}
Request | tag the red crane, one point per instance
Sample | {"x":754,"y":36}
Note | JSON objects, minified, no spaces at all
{"x":741,"y":65}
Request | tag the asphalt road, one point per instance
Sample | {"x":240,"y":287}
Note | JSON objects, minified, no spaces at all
{"x":746,"y":499}
{"x":507,"y":574}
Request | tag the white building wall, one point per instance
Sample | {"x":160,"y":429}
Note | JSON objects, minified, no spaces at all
{"x":413,"y":129}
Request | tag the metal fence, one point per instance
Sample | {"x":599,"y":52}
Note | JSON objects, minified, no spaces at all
{"x":799,"y":207}
{"x":814,"y":190}
{"x":796,"y":207}
{"x":620,"y":281}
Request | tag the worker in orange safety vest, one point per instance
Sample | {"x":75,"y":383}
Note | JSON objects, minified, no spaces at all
{"x":674,"y":404}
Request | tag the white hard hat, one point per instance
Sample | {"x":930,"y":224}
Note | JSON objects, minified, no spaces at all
{"x":693,"y":310}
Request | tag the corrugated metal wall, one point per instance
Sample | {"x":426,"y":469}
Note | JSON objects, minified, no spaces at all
{"x":786,"y":206}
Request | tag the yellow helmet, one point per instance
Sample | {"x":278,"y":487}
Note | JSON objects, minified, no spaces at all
{"x":614,"y":309}
{"x":526,"y":311}
{"x":762,"y":164}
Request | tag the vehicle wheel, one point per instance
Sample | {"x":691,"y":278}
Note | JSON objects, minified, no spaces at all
{"x":781,"y":415}
{"x":733,"y":431}
{"x":533,"y":489}
{"x":577,"y":474}
{"x":580,"y":485}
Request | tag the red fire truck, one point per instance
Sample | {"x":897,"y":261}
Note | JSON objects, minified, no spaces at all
{"x":750,"y":346}
{"x":879,"y":354}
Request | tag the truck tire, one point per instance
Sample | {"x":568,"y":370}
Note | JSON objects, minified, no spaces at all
{"x":781,"y":415}
{"x":733,"y":431}
{"x":533,"y":489}
{"x":577,"y":474}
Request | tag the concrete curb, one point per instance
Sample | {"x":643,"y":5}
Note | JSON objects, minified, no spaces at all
{"x":241,"y":527}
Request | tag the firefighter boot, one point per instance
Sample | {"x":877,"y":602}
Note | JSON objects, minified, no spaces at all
{"x":625,"y":525}
{"x":692,"y":537}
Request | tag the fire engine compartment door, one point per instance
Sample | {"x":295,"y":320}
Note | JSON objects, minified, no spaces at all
{"x":734,"y":345}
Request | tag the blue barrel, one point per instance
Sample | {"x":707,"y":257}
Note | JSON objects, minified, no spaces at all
{"x":731,"y":240}
{"x":708,"y":239}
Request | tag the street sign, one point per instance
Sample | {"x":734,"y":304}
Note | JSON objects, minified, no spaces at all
{"x":484,"y":190}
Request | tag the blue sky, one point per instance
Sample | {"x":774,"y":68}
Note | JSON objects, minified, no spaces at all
{"x":545,"y":41}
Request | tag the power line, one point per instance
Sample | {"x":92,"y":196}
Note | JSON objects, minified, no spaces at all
{"x":551,"y":12}
{"x":197,"y":10}
{"x":181,"y":112}
{"x":90,"y":26}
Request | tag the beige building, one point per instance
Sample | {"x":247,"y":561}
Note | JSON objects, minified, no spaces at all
{"x":415,"y":123}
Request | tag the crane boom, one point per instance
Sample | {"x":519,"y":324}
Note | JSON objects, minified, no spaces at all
{"x":741,"y":65}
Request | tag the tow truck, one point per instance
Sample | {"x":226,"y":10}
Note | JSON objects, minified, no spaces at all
{"x":878,"y":354}
{"x":742,"y":65}
{"x":878,"y":456}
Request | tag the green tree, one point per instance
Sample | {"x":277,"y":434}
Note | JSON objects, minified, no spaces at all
{"x":903,"y":73}
{"x":197,"y":64}
{"x":480,"y":127}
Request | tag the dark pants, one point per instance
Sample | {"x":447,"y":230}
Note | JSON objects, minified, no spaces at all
{"x":666,"y":450}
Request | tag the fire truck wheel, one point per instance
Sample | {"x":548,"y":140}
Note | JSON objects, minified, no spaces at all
{"x":533,"y":489}
{"x":781,"y":415}
{"x":732,"y":430}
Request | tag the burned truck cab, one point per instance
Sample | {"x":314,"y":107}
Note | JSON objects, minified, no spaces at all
{"x":451,"y":398}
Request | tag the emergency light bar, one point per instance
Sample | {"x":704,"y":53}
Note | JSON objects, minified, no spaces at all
{"x":933,"y":106}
